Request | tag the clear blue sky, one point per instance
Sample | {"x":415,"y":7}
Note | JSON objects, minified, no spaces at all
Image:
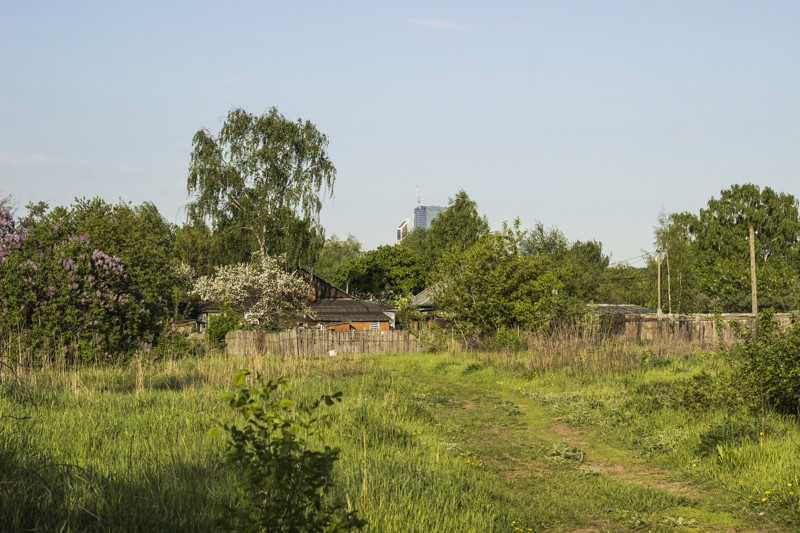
{"x":590,"y":116}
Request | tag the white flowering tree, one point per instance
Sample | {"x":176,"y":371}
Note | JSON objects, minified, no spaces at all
{"x":263,"y":294}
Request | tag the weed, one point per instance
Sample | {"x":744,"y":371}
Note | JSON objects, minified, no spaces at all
{"x":511,"y":408}
{"x":562,"y":452}
{"x":281,"y":483}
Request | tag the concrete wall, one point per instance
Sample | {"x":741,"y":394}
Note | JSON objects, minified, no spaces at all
{"x":702,"y":329}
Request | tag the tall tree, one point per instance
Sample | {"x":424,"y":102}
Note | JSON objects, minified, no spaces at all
{"x":720,"y":235}
{"x":264,"y":176}
{"x":585,"y":259}
{"x":458,"y":227}
{"x":673,"y":240}
{"x":386,"y":273}
{"x":333,"y":257}
{"x":494,"y":285}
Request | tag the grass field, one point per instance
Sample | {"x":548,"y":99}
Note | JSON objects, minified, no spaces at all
{"x":580,"y":438}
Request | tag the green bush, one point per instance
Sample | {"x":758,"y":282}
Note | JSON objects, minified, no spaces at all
{"x":281,"y":484}
{"x":768,"y":366}
{"x":509,"y":340}
{"x":220,"y":324}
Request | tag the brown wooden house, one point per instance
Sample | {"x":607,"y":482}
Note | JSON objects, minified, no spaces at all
{"x":336,"y":310}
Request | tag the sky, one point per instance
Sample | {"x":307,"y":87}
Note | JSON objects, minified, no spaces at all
{"x":589,"y":116}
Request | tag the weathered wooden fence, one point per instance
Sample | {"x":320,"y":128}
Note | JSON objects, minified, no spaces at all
{"x":700,"y":328}
{"x":319,"y":343}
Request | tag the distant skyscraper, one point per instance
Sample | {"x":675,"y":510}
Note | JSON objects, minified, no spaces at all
{"x":424,"y":214}
{"x":402,"y":230}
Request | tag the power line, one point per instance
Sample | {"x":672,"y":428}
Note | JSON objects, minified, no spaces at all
{"x":644,"y":255}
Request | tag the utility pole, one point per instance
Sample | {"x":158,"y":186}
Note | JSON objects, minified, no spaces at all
{"x":669,"y":287}
{"x":659,"y":282}
{"x":753,"y":270}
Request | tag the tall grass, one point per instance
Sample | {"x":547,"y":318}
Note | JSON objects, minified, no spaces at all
{"x":586,"y":355}
{"x":430,"y":442}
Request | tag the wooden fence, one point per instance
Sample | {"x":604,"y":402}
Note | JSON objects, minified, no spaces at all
{"x":319,"y":343}
{"x":704,"y":330}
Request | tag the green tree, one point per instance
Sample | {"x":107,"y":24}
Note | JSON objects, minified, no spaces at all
{"x":494,"y":285}
{"x":142,"y":238}
{"x":543,"y":241}
{"x":195,"y":246}
{"x":456,"y":228}
{"x":385,"y":273}
{"x":625,"y":284}
{"x":333,"y":257}
{"x":261,"y":181}
{"x":588,"y":265}
{"x":680,"y":268}
{"x":720,"y":235}
{"x":585,"y":260}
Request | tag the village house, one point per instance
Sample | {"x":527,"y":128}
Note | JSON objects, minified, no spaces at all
{"x":334,"y":309}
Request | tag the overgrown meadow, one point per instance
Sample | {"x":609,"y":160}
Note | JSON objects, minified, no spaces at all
{"x":602,"y":436}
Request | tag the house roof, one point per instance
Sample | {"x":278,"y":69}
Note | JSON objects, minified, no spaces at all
{"x":423,"y":299}
{"x":340,"y":310}
{"x":332,"y":305}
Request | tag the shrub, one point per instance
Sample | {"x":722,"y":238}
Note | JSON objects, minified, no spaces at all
{"x":220,"y":324}
{"x":509,"y":340}
{"x":281,"y":483}
{"x":768,"y":366}
{"x":61,"y":296}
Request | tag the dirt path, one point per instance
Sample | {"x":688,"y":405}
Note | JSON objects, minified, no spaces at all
{"x":631,"y":471}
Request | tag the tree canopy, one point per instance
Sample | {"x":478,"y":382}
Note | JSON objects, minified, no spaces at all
{"x":708,"y":253}
{"x":261,"y":181}
{"x":494,"y":285}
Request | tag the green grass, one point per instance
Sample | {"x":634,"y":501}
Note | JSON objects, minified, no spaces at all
{"x":626,"y":439}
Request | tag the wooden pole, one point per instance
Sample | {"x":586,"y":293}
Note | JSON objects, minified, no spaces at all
{"x":659,"y":283}
{"x":669,"y":288}
{"x":753,"y":293}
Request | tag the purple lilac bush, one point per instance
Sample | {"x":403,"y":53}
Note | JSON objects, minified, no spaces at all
{"x":60,"y":296}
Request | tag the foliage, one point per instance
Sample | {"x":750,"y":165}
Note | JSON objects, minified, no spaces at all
{"x":195,"y":245}
{"x":220,"y":324}
{"x":259,"y":183}
{"x":61,"y":295}
{"x":625,"y":284}
{"x":493,"y":285}
{"x":385,"y":273}
{"x":145,"y":241}
{"x":333,"y":258}
{"x":768,"y":366}
{"x":680,"y":263}
{"x":584,"y":259}
{"x":262,"y":293}
{"x":281,"y":482}
{"x":509,"y":340}
{"x":710,"y":251}
{"x":458,"y":227}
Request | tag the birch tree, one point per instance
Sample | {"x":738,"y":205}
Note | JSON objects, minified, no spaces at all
{"x":264,"y":177}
